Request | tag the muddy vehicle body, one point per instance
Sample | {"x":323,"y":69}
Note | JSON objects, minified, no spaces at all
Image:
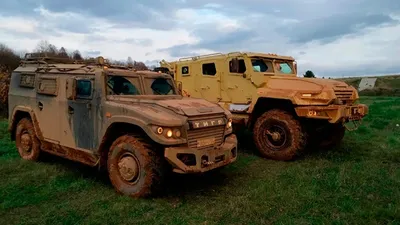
{"x":131,"y":123}
{"x":286,"y":113}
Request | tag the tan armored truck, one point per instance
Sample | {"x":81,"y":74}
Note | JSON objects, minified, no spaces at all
{"x":286,"y":113}
{"x":133,"y":123}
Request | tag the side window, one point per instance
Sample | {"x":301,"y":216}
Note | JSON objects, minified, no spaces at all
{"x":209,"y":69}
{"x":83,"y":88}
{"x":185,"y":71}
{"x":27,"y":80}
{"x":242,"y":66}
{"x":123,"y":86}
{"x":47,"y":86}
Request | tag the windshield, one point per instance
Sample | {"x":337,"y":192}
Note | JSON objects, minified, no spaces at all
{"x":160,"y":86}
{"x":123,"y":85}
{"x":265,"y":65}
{"x":118,"y":85}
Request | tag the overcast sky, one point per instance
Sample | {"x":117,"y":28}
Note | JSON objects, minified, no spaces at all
{"x":331,"y":38}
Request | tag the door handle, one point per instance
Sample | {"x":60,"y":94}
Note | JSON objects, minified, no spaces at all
{"x":70,"y":110}
{"x":40,"y":105}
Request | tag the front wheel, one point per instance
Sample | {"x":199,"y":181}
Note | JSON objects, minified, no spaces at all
{"x":278,"y":135}
{"x":26,"y":141}
{"x":134,"y":168}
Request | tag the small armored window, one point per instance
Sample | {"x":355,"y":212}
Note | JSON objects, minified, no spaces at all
{"x":209,"y":69}
{"x":83,"y":88}
{"x":185,"y":70}
{"x":27,"y":80}
{"x":241,"y":64}
{"x":47,"y":86}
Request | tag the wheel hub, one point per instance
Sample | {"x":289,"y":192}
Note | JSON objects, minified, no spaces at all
{"x":276,"y":136}
{"x":128,"y":167}
{"x":26,"y":143}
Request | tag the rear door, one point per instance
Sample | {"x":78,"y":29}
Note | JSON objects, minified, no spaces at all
{"x":47,"y":108}
{"x":208,"y":82}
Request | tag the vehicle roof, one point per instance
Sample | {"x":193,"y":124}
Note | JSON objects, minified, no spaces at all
{"x":68,"y":66}
{"x":230,"y":54}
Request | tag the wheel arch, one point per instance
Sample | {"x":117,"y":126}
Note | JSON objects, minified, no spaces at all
{"x":114,"y":131}
{"x":265,"y":104}
{"x":20,"y":113}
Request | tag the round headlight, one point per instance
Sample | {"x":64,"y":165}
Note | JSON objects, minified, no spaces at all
{"x":169,"y":133}
{"x":160,"y":130}
{"x":177,"y":133}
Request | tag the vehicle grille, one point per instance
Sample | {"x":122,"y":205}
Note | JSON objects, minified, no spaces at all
{"x":217,"y":132}
{"x":343,"y":94}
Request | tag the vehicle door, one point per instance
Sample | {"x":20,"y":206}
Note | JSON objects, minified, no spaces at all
{"x":208,"y":82}
{"x":80,"y":129}
{"x":47,"y":109}
{"x":238,"y":88}
{"x":186,"y":77}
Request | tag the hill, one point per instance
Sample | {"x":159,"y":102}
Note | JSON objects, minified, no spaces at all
{"x":383,"y":86}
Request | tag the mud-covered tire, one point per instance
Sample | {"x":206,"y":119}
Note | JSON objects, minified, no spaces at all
{"x":331,"y":136}
{"x":290,"y":141}
{"x":147,"y":178}
{"x":26,"y":141}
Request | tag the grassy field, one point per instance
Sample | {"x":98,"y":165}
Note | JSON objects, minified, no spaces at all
{"x":358,"y":183}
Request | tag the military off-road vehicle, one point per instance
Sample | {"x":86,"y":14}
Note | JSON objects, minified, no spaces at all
{"x":132,"y":123}
{"x":286,"y":113}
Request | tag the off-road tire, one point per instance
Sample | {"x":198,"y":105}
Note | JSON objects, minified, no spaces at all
{"x":335,"y":135}
{"x":150,"y":163}
{"x":295,"y":137}
{"x":26,"y":141}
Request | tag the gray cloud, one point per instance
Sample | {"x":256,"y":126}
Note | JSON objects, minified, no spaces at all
{"x":322,"y":20}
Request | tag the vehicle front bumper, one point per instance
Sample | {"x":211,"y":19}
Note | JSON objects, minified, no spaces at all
{"x":334,"y":113}
{"x":202,"y":160}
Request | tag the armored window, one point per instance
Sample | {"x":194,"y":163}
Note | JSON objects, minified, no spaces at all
{"x":261,"y":65}
{"x":47,"y":86}
{"x":27,"y":80}
{"x":83,"y":88}
{"x":242,"y":66}
{"x":209,"y":69}
{"x":185,"y":71}
{"x":118,"y":85}
{"x":161,"y":86}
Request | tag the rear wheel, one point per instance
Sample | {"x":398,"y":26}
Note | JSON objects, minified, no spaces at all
{"x":134,"y":168}
{"x":278,"y":135}
{"x":26,"y":141}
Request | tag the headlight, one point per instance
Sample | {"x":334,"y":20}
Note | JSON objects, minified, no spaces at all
{"x":229,"y":124}
{"x":168,"y":132}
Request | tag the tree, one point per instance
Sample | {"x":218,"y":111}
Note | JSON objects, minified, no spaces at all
{"x":9,"y":60}
{"x":47,"y":48}
{"x":129,"y":62}
{"x":309,"y":74}
{"x":62,"y":53}
{"x":139,"y":66}
{"x":76,"y":55}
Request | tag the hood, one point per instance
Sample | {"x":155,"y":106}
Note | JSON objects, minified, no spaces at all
{"x":304,"y":84}
{"x":191,"y":106}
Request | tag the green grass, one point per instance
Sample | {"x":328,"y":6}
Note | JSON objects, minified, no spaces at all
{"x":357,"y":183}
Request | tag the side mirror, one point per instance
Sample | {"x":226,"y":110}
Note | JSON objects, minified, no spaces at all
{"x":235,"y":65}
{"x":71,"y":89}
{"x":295,"y":67}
